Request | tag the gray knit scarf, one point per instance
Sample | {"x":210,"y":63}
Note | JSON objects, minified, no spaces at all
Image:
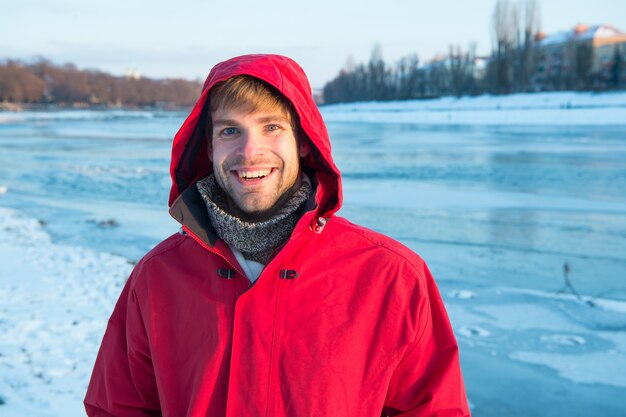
{"x":256,"y":241}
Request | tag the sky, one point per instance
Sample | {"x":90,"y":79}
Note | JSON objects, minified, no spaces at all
{"x":185,"y":38}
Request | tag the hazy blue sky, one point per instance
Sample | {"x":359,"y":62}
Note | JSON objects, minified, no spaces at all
{"x":185,"y":38}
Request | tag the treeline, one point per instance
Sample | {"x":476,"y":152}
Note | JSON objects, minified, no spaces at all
{"x":43,"y":82}
{"x":376,"y":80}
{"x":518,"y":63}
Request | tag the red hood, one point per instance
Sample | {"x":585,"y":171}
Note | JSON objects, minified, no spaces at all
{"x":190,"y":161}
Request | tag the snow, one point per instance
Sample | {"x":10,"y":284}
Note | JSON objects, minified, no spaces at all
{"x":607,"y":32}
{"x":566,"y":108}
{"x":462,"y":294}
{"x":592,"y":32}
{"x":558,"y":37}
{"x":54,"y":303}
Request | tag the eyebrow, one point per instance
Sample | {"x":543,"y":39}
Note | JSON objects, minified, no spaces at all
{"x":224,"y":122}
{"x":269,"y":119}
{"x":263,"y":119}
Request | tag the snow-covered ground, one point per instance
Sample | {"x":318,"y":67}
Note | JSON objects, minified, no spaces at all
{"x":496,"y":208}
{"x":566,"y":108}
{"x":54,"y":304}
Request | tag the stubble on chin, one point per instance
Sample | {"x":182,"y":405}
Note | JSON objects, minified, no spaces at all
{"x":252,"y":208}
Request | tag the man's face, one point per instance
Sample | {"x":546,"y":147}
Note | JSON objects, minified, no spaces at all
{"x":256,"y":160}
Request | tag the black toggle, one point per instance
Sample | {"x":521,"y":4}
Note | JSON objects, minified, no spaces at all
{"x":288,"y":274}
{"x":226,"y":273}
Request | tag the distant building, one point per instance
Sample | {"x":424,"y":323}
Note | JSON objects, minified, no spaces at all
{"x":582,"y":57}
{"x":132,"y":74}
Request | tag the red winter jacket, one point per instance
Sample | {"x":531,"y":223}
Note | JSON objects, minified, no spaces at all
{"x":342,"y":321}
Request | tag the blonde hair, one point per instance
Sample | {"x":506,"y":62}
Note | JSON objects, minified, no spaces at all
{"x":248,"y":94}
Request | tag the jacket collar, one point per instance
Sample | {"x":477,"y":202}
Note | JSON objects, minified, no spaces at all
{"x":189,"y":209}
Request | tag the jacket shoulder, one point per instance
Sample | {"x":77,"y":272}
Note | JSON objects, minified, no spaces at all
{"x":163,"y":247}
{"x":167,"y":252}
{"x":363,"y":237}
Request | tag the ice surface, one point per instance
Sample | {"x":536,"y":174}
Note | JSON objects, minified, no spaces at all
{"x":467,"y":198}
{"x":473,"y":331}
{"x":536,"y":327}
{"x":600,"y":367}
{"x":80,"y":115}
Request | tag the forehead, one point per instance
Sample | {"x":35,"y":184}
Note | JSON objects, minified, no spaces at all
{"x":250,"y":115}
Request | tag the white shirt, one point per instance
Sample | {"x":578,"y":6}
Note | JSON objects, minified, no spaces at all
{"x":251,"y":268}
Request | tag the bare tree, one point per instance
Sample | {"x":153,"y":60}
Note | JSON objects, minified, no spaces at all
{"x":19,"y":84}
{"x":377,"y":75}
{"x":44,"y":82}
{"x":349,"y":66}
{"x":407,"y":75}
{"x":460,"y":71}
{"x":532,"y":25}
{"x":505,"y":26}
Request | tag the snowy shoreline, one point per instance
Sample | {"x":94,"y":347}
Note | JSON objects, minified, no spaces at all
{"x":550,"y":108}
{"x":55,"y":301}
{"x":561,"y":108}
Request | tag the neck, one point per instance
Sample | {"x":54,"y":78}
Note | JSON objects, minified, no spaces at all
{"x":256,"y":239}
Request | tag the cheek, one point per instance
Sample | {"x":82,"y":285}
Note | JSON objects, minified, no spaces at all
{"x":288,"y":150}
{"x":218,"y":153}
{"x":218,"y":162}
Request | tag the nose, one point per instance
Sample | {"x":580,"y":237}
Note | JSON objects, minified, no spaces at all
{"x":251,"y":144}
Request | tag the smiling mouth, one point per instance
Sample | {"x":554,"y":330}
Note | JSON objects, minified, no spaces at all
{"x":254,"y":175}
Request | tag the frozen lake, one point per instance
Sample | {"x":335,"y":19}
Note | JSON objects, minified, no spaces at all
{"x":496,"y":209}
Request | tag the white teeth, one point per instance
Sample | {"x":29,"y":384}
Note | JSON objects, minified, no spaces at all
{"x":254,"y":174}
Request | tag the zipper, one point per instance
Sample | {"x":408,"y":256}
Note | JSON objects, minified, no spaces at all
{"x":276,"y":330}
{"x":273,"y":367}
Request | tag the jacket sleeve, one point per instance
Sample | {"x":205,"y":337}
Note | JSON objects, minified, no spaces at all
{"x":123,"y":382}
{"x":428,"y":380}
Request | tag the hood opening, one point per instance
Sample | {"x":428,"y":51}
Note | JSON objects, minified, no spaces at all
{"x":190,"y":161}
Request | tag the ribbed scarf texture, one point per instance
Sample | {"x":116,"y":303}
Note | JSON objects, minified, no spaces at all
{"x":256,"y":241}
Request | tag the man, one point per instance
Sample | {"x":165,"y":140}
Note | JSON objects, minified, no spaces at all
{"x":267,"y":304}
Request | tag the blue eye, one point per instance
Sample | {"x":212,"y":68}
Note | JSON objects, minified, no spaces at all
{"x":273,"y":127}
{"x":229,"y":131}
